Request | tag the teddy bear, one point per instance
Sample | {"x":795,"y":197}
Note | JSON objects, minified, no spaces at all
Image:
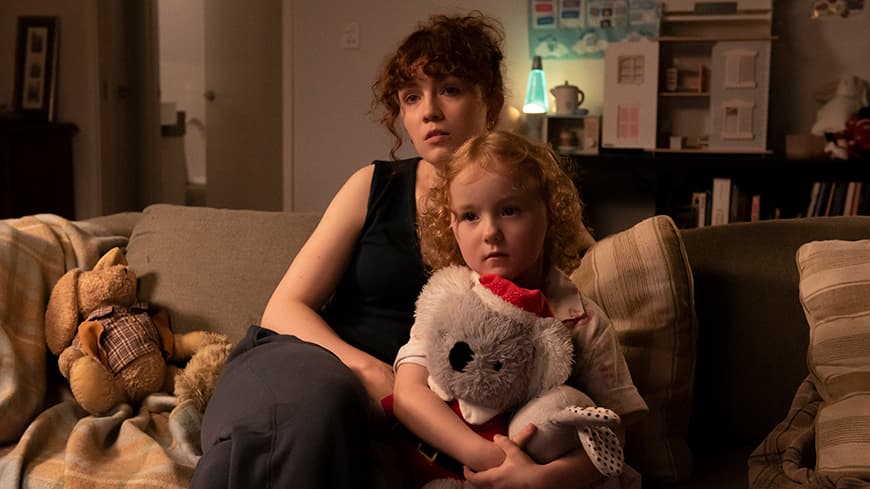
{"x":114,"y":349}
{"x":494,"y":349}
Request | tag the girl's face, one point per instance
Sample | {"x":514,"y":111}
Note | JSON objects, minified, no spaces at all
{"x":500,"y":228}
{"x":441,"y":114}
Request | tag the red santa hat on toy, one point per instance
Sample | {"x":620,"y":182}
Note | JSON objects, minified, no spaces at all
{"x":510,"y":299}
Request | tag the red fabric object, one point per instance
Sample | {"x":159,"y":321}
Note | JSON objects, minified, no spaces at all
{"x":387,"y":406}
{"x":531,"y":300}
{"x":495,"y":426}
{"x":420,"y":468}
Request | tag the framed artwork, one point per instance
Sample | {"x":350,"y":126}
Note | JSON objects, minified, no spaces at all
{"x":36,"y":68}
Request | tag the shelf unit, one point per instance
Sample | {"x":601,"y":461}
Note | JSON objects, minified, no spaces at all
{"x":733,"y":51}
{"x":704,"y":88}
{"x":621,"y":187}
{"x":573,"y":134}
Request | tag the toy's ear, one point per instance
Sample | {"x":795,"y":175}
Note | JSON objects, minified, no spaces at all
{"x":445,"y":288}
{"x":115,"y":256}
{"x":554,"y":355}
{"x":62,"y":312}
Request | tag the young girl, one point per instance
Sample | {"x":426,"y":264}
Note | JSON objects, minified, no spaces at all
{"x":502,"y":205}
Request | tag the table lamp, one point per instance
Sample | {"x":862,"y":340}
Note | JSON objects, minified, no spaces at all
{"x":536,"y":90}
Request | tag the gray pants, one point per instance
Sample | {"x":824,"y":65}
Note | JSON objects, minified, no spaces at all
{"x":285,"y":413}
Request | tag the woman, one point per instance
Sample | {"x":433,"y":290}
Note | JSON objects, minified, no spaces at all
{"x":298,"y":404}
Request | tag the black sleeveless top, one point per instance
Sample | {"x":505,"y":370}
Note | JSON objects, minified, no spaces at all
{"x":373,"y":305}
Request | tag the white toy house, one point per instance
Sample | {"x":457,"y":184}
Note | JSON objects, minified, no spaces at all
{"x":701,"y":86}
{"x":630,"y":94}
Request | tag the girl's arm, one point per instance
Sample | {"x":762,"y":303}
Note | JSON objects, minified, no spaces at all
{"x":430,"y":418}
{"x":314,"y":275}
{"x":572,"y":470}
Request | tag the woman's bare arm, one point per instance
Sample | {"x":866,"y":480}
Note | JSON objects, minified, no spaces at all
{"x":313,"y":276}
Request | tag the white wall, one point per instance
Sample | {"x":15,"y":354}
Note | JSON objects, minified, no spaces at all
{"x":333,"y":132}
{"x":809,"y":54}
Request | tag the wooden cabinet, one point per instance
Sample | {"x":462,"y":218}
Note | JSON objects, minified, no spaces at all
{"x":36,"y":168}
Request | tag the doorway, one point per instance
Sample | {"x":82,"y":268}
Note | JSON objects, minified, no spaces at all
{"x":221,"y":80}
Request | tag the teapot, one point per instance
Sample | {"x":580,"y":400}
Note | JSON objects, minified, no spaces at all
{"x":568,"y":98}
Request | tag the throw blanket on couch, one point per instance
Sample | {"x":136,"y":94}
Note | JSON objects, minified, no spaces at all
{"x":786,"y":458}
{"x":46,"y":439}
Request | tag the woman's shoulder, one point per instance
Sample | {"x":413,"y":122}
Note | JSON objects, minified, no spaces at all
{"x":376,"y":174}
{"x":385,"y":169}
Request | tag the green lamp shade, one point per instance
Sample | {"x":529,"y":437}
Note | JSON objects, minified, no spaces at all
{"x":536,"y":90}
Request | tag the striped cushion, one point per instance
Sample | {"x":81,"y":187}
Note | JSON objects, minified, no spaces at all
{"x":835,"y":294}
{"x":642,"y":280}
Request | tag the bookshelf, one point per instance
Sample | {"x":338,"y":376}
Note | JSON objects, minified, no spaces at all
{"x":713,"y":83}
{"x":619,"y":188}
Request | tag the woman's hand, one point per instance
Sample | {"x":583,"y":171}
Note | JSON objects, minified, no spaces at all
{"x":378,"y":379}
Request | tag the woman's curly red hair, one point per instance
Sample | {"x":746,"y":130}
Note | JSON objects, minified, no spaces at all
{"x":467,"y":46}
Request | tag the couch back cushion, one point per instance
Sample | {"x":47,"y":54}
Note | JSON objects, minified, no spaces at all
{"x":641,"y":279}
{"x":214,"y":269}
{"x":752,"y":332}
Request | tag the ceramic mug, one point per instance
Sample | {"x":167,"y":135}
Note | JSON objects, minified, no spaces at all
{"x":568,"y":98}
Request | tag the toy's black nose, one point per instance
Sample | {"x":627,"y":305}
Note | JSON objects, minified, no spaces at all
{"x":460,"y":355}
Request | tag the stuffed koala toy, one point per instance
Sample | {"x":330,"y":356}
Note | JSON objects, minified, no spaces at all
{"x":495,"y":348}
{"x":111,"y":348}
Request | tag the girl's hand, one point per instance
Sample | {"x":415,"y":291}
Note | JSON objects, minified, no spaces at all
{"x":517,"y":470}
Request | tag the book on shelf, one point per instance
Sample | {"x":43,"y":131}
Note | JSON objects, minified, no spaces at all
{"x":821,"y":201}
{"x":700,"y":204}
{"x":814,"y":197}
{"x":755,"y":208}
{"x":838,"y":199}
{"x":739,"y":206}
{"x":721,"y":208}
{"x":860,"y":199}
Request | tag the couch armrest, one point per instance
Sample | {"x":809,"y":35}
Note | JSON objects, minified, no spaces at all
{"x":119,"y":224}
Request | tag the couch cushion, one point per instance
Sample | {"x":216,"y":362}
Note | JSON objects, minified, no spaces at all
{"x":214,"y":269}
{"x":641,"y":278}
{"x":835,"y":294}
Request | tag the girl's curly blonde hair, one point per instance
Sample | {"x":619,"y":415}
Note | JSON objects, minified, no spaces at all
{"x":534,"y":167}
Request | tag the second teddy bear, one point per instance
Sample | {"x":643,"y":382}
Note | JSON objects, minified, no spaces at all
{"x":112,"y":348}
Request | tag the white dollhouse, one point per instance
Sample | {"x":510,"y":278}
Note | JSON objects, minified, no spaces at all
{"x":701,"y":86}
{"x":630,"y":94}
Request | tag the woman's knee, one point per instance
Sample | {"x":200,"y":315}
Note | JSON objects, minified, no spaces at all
{"x":281,"y":380}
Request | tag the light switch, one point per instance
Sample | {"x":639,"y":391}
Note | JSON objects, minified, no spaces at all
{"x":350,"y":35}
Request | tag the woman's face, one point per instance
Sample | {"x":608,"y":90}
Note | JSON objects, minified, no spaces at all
{"x":441,"y":114}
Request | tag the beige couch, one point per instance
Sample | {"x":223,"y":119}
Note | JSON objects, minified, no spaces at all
{"x":710,"y":320}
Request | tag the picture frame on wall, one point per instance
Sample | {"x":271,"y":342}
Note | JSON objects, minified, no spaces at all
{"x":36,"y":53}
